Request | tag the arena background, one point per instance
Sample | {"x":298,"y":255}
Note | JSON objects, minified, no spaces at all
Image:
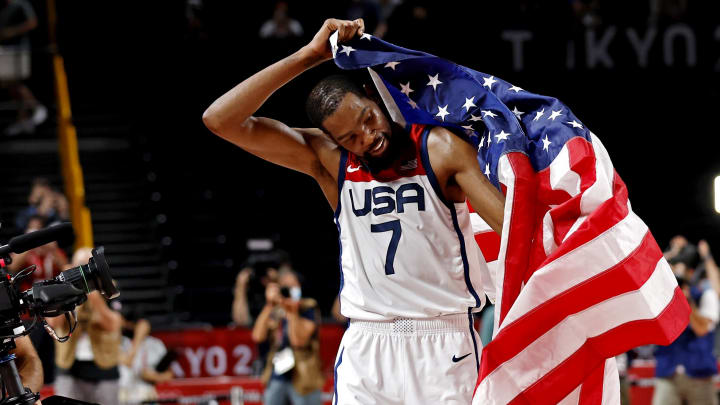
{"x":175,"y":205}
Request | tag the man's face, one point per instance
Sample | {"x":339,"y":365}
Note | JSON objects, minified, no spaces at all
{"x":360,"y":126}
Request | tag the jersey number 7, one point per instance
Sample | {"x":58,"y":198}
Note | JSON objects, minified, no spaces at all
{"x":393,"y":226}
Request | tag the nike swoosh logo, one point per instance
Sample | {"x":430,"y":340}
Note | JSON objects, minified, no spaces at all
{"x":353,"y":169}
{"x":456,"y":359}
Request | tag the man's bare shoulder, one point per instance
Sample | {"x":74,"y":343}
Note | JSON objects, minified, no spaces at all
{"x":445,"y":148}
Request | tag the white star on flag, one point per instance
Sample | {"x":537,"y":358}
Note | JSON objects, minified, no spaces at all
{"x":391,"y":65}
{"x":575,"y":124}
{"x":555,"y":114}
{"x":469,"y":103}
{"x":487,"y":169}
{"x":546,"y":142}
{"x":482,"y":143}
{"x":442,"y":112}
{"x":434,"y":81}
{"x":347,"y":49}
{"x":502,"y":136}
{"x":488,"y":113}
{"x":517,"y":112}
{"x":474,"y":118}
{"x":514,"y":88}
{"x":366,"y":36}
{"x":406,"y":90}
{"x":468,"y":127}
{"x":539,"y":114}
{"x":489,"y":81}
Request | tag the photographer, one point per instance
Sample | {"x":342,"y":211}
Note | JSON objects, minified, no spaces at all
{"x":684,"y":369}
{"x":87,"y":363}
{"x":287,"y":330}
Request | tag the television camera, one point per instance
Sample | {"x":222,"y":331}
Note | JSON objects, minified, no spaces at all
{"x":47,"y":298}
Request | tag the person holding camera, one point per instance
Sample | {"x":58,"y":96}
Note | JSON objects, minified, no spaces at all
{"x":684,"y":368}
{"x":87,"y":364}
{"x":287,"y":330}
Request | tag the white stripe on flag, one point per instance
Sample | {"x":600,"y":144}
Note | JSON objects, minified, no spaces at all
{"x":555,"y":346}
{"x":506,"y":176}
{"x":611,"y":383}
{"x":561,"y":176}
{"x":478,"y":224}
{"x":602,"y":189}
{"x":573,"y":398}
{"x":579,"y":265}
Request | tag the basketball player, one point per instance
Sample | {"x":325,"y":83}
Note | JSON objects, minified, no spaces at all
{"x":410,"y":268}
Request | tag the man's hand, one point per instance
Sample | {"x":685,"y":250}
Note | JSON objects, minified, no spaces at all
{"x":272,"y":294}
{"x":320,"y":46}
{"x":704,"y":249}
{"x":243,"y":278}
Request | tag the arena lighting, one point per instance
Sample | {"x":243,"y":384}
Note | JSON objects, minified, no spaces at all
{"x":717,"y":194}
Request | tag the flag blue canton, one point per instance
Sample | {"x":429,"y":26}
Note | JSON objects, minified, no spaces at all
{"x":494,"y":115}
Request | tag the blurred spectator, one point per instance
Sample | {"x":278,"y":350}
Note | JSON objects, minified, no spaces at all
{"x":684,"y":369}
{"x":17,"y":19}
{"x":368,"y":10}
{"x":144,"y":362}
{"x":666,"y":11}
{"x":88,"y":362}
{"x":195,"y":15}
{"x":281,"y":26}
{"x":249,"y":294}
{"x":287,"y":330}
{"x":45,"y":202}
{"x":587,"y":12}
{"x":49,"y":259}
{"x":416,"y":14}
{"x":386,"y":9}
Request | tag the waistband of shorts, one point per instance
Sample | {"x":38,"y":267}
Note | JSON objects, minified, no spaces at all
{"x":412,"y":327}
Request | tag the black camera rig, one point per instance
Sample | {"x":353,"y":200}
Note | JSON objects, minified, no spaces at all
{"x":47,"y":298}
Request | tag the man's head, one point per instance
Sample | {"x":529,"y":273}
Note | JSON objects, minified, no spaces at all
{"x":355,"y":120}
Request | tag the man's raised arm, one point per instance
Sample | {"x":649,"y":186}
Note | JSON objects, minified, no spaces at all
{"x":230,"y":116}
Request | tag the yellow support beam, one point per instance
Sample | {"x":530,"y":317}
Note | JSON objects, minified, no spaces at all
{"x":68,"y":146}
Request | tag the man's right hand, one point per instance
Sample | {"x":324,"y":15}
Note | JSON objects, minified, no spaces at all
{"x":320,"y":46}
{"x":272,"y":294}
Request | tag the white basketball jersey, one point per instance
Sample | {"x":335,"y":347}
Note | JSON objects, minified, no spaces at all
{"x":406,"y":252}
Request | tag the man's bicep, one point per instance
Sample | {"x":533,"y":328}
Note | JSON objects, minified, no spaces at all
{"x":487,"y":201}
{"x":277,"y":143}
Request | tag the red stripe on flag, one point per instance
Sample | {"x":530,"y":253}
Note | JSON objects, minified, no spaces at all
{"x":628,"y":275}
{"x":592,"y":388}
{"x":489,"y":243}
{"x":558,"y":383}
{"x":520,"y":230}
{"x":582,"y":161}
{"x":603,"y":218}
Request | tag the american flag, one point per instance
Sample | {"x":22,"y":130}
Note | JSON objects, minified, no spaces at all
{"x":578,"y":277}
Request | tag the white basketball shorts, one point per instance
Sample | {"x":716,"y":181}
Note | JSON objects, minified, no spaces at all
{"x":408,"y":361}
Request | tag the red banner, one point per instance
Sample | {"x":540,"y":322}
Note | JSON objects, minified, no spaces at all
{"x":230,"y":352}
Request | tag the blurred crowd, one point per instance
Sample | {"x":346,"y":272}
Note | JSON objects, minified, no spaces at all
{"x":104,"y":354}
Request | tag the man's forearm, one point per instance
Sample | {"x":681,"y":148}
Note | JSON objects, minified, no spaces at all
{"x":28,"y":364}
{"x":259,"y":332}
{"x":240,"y":311}
{"x":243,"y":100}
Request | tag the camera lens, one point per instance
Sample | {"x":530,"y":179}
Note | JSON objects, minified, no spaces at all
{"x":93,"y":276}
